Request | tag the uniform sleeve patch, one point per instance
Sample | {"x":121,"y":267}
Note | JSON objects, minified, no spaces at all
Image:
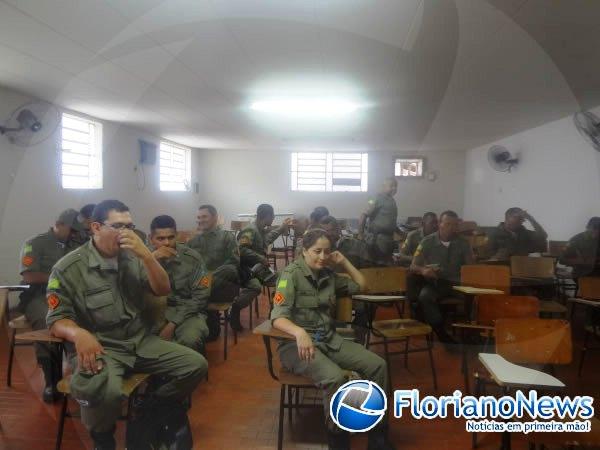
{"x":53,"y":301}
{"x":205,"y":281}
{"x":278,"y":299}
{"x":28,"y":248}
{"x":418,"y":250}
{"x":282,"y":284}
{"x":371,"y":202}
{"x":27,"y":260}
{"x":53,"y":283}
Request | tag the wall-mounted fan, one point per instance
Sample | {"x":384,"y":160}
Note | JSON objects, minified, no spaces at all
{"x":588,"y":125}
{"x":31,"y":124}
{"x":500,"y":159}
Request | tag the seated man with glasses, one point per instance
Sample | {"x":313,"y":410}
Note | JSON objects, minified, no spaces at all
{"x":185,"y":317}
{"x":95,"y":298}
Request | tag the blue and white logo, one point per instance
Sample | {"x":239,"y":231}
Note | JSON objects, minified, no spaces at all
{"x":358,"y":406}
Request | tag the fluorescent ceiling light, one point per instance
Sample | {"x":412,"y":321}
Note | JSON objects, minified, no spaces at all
{"x":306,"y":108}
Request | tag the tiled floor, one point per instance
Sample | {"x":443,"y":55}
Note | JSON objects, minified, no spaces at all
{"x":238,"y":407}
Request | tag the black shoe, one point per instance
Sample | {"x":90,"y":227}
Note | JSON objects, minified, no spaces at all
{"x":104,"y":440}
{"x":338,"y":441}
{"x":378,"y":440}
{"x":50,"y":394}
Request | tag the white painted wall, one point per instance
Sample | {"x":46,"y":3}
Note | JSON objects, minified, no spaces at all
{"x":557,"y":180}
{"x":31,"y":195}
{"x":237,"y":181}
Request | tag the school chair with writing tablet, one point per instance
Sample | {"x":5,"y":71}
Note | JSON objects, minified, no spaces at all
{"x":588,"y":295}
{"x":521,"y":343}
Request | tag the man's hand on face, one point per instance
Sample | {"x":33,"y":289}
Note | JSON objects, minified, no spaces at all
{"x":164,"y":253}
{"x":128,"y":240}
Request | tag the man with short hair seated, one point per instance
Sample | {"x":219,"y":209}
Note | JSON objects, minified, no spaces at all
{"x":220,"y":252}
{"x":583,"y":251}
{"x":95,"y":298}
{"x":38,"y":255}
{"x":511,"y":238}
{"x":354,"y":249}
{"x":429,"y":225}
{"x":190,"y":286}
{"x":438,"y":260}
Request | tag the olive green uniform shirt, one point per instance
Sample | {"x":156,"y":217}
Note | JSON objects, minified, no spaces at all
{"x":355,"y":250}
{"x":105,"y":300}
{"x":586,"y":247}
{"x":383,"y":214}
{"x":450,"y":259}
{"x":254,"y":242}
{"x":502,"y":244}
{"x":217,"y":247}
{"x":39,"y":254}
{"x":310,"y":301}
{"x":190,"y":285}
{"x":412,"y":241}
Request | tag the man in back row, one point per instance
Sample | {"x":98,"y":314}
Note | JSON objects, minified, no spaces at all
{"x":429,"y":225}
{"x":438,"y":260}
{"x":95,"y":299}
{"x":511,"y":238}
{"x":38,"y":255}
{"x":185,"y":316}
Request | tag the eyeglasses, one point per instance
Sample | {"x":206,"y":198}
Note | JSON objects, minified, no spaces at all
{"x":120,"y":226}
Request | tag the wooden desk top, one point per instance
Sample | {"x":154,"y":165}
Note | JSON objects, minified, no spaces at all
{"x":266,"y":329}
{"x":15,"y":287}
{"x":37,"y":336}
{"x":477,"y":291}
{"x":378,"y":298}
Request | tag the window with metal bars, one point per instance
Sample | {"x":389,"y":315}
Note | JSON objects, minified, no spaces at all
{"x":81,"y":153}
{"x":409,"y":167}
{"x":330,"y":172}
{"x":175,"y":167}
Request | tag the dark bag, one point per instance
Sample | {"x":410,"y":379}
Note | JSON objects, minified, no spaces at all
{"x":164,"y":426}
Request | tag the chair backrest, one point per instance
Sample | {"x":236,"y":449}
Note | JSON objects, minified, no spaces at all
{"x":239,"y":225}
{"x":486,"y":276}
{"x":589,"y":287}
{"x":343,"y":311}
{"x":490,"y":308}
{"x":532,"y":267}
{"x":557,"y":248}
{"x":385,"y":280}
{"x":534,"y":341}
{"x":3,"y":304}
{"x":467,"y":226}
{"x":183,"y":236}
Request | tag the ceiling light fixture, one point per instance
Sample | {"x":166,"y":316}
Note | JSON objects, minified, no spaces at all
{"x":306,"y":108}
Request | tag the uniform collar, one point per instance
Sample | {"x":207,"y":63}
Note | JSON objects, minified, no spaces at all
{"x":438,"y":241}
{"x":215,"y":230}
{"x":96,"y":260}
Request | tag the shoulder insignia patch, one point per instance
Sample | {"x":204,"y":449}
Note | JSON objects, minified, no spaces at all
{"x":53,"y":283}
{"x":28,"y":248}
{"x":282,"y":284}
{"x":53,"y":301}
{"x":204,"y":281}
{"x":27,"y":261}
{"x":278,"y":299}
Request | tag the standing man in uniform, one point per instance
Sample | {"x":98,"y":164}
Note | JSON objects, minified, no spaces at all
{"x":190,"y":286}
{"x":511,"y":238}
{"x":382,"y":215}
{"x":583,"y":251}
{"x":221,"y":255}
{"x":95,"y":299}
{"x":438,"y":260}
{"x":414,"y":238}
{"x":38,"y":255}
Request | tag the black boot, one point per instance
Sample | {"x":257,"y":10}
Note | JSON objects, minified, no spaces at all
{"x":234,"y":318}
{"x":50,"y":394}
{"x":378,"y":439}
{"x":338,"y":441}
{"x":104,"y":440}
{"x":214,"y":326}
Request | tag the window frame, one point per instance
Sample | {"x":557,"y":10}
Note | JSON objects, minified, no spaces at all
{"x":410,"y":157}
{"x":187,"y":182}
{"x":96,"y":154}
{"x":329,"y":172}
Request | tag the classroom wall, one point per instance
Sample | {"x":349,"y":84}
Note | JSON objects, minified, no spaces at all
{"x":557,"y":180}
{"x":31,"y":195}
{"x":237,"y":181}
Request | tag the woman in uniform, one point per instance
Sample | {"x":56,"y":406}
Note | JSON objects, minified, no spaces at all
{"x":302,"y":306}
